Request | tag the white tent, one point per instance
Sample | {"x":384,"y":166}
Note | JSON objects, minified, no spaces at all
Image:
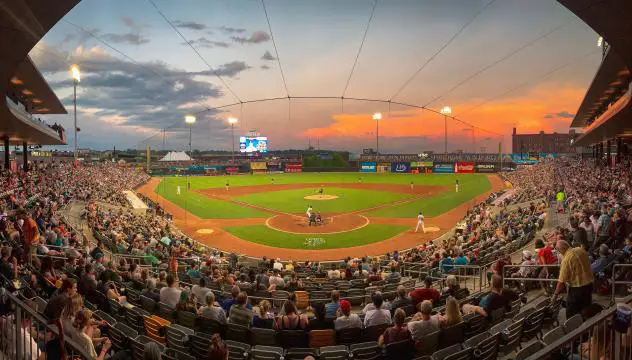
{"x":176,"y":156}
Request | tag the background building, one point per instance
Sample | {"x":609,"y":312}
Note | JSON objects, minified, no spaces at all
{"x":542,"y":142}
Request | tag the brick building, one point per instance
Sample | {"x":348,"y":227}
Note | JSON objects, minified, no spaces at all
{"x":542,"y":142}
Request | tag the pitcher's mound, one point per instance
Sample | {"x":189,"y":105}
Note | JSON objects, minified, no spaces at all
{"x":320,"y":197}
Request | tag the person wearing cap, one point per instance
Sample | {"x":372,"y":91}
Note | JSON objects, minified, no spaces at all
{"x":526,"y":269}
{"x":347,"y":320}
{"x":378,"y":315}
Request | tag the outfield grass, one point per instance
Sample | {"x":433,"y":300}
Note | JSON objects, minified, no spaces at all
{"x":205,"y":182}
{"x":261,"y":234}
{"x":469,"y":188}
{"x":201,"y":205}
{"x":292,"y":201}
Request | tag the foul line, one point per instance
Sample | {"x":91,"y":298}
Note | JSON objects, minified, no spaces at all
{"x":367,"y":222}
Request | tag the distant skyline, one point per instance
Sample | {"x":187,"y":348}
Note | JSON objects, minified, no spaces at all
{"x":524,"y":64}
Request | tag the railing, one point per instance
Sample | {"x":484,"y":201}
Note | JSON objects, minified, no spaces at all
{"x":529,"y":278}
{"x":596,"y":338}
{"x":618,"y":282}
{"x":20,"y":112}
{"x":462,"y":273}
{"x":26,"y":328}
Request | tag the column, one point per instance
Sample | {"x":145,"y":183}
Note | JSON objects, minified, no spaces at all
{"x":608,"y":151}
{"x":618,"y":150}
{"x":25,"y":156}
{"x":601,"y":153}
{"x":6,"y":153}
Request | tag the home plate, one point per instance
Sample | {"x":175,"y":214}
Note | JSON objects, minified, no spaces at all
{"x":204,"y":231}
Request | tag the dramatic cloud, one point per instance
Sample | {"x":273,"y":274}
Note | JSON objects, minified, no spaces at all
{"x":268,"y":57}
{"x":231,"y":30}
{"x":206,"y":43}
{"x":148,"y":95}
{"x":562,"y":114}
{"x":127,"y":38}
{"x":192,"y":25}
{"x":257,"y":37}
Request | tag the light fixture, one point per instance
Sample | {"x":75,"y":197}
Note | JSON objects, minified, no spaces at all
{"x":446,"y":110}
{"x":600,"y":41}
{"x":189,"y":119}
{"x":377,"y":116}
{"x":232,"y":120}
{"x":76,"y":74}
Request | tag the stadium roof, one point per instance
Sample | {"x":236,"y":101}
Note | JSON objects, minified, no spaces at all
{"x":176,"y":156}
{"x":23,"y":24}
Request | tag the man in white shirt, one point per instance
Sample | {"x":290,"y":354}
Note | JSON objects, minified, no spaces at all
{"x":277,"y":265}
{"x":201,"y":290}
{"x":276,"y":280}
{"x":170,"y":294}
{"x":371,"y":306}
{"x":420,"y":222}
{"x":347,"y":320}
{"x":378,"y":316}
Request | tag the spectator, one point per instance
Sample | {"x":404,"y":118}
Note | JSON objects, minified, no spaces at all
{"x":460,"y":259}
{"x":333,"y":306}
{"x":397,"y":332}
{"x":402,"y":300}
{"x":226,"y":305}
{"x":320,"y":321}
{"x":424,"y":323}
{"x":425,"y":293}
{"x":545,"y":257}
{"x":278,"y":266}
{"x":212,"y":311}
{"x":262,"y":317}
{"x":239,"y":313}
{"x":334,"y":273}
{"x":56,"y":303}
{"x":83,"y":327}
{"x":276,"y":281}
{"x":152,"y":351}
{"x":574,"y":270}
{"x":149,"y":290}
{"x":394,"y":276}
{"x":170,"y":294}
{"x":452,"y":286}
{"x":291,"y":320}
{"x":378,"y":315}
{"x":371,"y":306}
{"x":603,"y":228}
{"x":452,"y":312}
{"x":347,"y":320}
{"x":187,"y":303}
{"x":526,"y":269}
{"x":497,"y":298}
{"x":194,"y":272}
{"x":200,"y":290}
{"x":217,"y":350}
{"x":580,"y":237}
{"x":8,"y":264}
{"x":446,"y":264}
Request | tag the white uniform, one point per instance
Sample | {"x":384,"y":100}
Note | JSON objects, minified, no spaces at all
{"x":309,"y":212}
{"x":420,"y":222}
{"x":457,"y":187}
{"x":178,"y":190}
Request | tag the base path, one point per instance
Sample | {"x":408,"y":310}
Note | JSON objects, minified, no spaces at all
{"x":221,"y":239}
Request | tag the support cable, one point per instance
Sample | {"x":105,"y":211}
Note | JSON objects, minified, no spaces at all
{"x":276,"y":50}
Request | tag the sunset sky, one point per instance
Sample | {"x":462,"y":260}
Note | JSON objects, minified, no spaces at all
{"x":516,"y":63}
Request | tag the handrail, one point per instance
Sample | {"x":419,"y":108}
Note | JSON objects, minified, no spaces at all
{"x":619,"y":282}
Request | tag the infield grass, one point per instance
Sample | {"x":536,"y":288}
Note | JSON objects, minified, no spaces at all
{"x":262,"y":234}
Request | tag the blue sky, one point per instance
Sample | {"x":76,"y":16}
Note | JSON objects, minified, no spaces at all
{"x":496,"y":74}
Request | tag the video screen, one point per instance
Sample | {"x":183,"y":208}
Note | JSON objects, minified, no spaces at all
{"x":250,"y":144}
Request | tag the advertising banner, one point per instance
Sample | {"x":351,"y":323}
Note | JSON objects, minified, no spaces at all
{"x":383,"y":167}
{"x":421,"y":164}
{"x":368,"y":167}
{"x":232,"y":169}
{"x":400,"y":167}
{"x":464,"y":167}
{"x":443,"y":168}
{"x":487,"y":167}
{"x":293,"y":168}
{"x":258,"y":165}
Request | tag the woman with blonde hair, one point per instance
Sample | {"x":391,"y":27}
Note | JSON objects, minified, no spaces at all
{"x":452,"y":312}
{"x":84,"y":328}
{"x":263,"y":318}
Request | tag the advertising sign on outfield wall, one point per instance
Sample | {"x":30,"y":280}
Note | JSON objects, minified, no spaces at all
{"x":368,"y":167}
{"x":464,"y":167}
{"x":421,"y":164}
{"x":294,"y":168}
{"x":258,"y":165}
{"x":443,"y":168}
{"x":384,"y":167}
{"x":487,"y":167}
{"x":400,"y":167}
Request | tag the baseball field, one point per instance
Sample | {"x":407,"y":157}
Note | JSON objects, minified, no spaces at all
{"x":357,"y":211}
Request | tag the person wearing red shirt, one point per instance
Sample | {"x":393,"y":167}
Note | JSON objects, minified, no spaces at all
{"x":544,"y":256}
{"x":425,"y":293}
{"x":31,"y":235}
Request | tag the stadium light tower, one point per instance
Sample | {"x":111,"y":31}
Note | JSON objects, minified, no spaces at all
{"x":76,"y":78}
{"x":446,"y":111}
{"x":232,"y":121}
{"x":377,"y":117}
{"x":189,"y":119}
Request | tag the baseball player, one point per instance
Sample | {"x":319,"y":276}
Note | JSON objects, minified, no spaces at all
{"x":227,"y":186}
{"x":178,"y":190}
{"x":309,"y":212}
{"x":457,"y":185}
{"x":420,"y":222}
{"x":412,"y":185}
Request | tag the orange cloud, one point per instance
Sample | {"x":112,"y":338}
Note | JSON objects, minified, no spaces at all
{"x":538,"y":109}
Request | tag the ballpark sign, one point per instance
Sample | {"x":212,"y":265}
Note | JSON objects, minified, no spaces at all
{"x":464,"y":167}
{"x":443,"y":168}
{"x":400,"y":167}
{"x":368,"y":167}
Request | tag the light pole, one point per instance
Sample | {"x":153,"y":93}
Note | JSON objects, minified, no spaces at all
{"x":377,"y":117}
{"x":189,"y":119}
{"x":76,"y":77}
{"x":446,"y":111}
{"x":232,"y":121}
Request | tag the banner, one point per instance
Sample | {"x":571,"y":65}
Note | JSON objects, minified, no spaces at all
{"x":293,"y":168}
{"x":400,"y":167}
{"x":368,"y":167}
{"x":487,"y":167}
{"x":464,"y":167}
{"x":232,"y":169}
{"x":421,"y":164}
{"x":384,"y":167}
{"x":443,"y":168}
{"x":258,"y":165}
